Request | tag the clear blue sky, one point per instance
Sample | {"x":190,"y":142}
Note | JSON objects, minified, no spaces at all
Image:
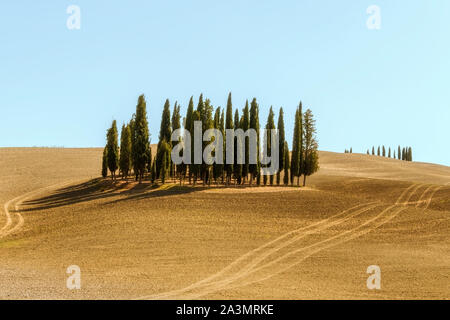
{"x":61,"y":87}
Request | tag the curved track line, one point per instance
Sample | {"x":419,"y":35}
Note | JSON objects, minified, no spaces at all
{"x":17,"y":202}
{"x":250,"y":268}
{"x":253,"y":261}
{"x":352,"y":235}
{"x":421,"y":199}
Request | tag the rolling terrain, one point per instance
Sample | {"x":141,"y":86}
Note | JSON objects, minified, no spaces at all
{"x":181,"y":242}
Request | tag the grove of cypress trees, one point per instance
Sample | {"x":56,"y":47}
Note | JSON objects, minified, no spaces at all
{"x":125,"y":151}
{"x":113,"y":149}
{"x":281,"y":144}
{"x":311,"y":145}
{"x":141,"y":142}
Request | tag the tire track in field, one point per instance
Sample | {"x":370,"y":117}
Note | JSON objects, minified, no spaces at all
{"x":249,"y":269}
{"x":17,"y":202}
{"x":386,"y":215}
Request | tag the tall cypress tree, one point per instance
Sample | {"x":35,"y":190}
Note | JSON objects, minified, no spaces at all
{"x":373,"y":150}
{"x":270,"y":125}
{"x":311,"y":146}
{"x":141,"y":143}
{"x":384,"y":151}
{"x":286,"y":164}
{"x":379,"y":151}
{"x":218,"y":167}
{"x":176,"y":124}
{"x":189,"y":126}
{"x":113,"y":149}
{"x":281,"y":143}
{"x":105,"y":162}
{"x":399,"y":153}
{"x":245,"y":126}
{"x":229,"y":125}
{"x":410,"y":157}
{"x":254,"y":124}
{"x":237,"y":168}
{"x":195,"y":167}
{"x":125,"y":151}
{"x":165,"y":133}
{"x":389,"y":153}
{"x":207,"y":123}
{"x":297,"y":146}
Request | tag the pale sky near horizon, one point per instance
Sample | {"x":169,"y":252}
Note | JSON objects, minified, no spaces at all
{"x":61,"y":87}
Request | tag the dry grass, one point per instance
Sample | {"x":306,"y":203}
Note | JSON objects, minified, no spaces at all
{"x":140,"y":241}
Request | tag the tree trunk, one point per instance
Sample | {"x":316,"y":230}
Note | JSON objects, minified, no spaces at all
{"x":304,"y":180}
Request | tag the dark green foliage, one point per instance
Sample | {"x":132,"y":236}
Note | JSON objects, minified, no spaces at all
{"x":153,"y":172}
{"x":379,"y":151}
{"x":373,"y":151}
{"x":189,"y":125}
{"x":165,"y":133}
{"x":229,"y":125}
{"x":281,"y":143}
{"x":125,"y":151}
{"x":113,"y":149}
{"x":176,"y":124}
{"x":384,"y":151}
{"x":245,"y":125}
{"x":389,"y":153}
{"x":141,"y":141}
{"x":254,"y":124}
{"x":399,"y":153}
{"x":310,"y":146}
{"x":297,"y":146}
{"x":105,"y":163}
{"x":218,"y":124}
{"x":270,"y":125}
{"x":286,"y":162}
{"x":237,"y":168}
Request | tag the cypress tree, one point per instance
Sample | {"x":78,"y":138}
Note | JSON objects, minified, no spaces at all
{"x":286,"y":164}
{"x":245,"y":126}
{"x":297,"y":147}
{"x":189,"y":125}
{"x":410,"y":157}
{"x":403,"y":154}
{"x":165,"y":133}
{"x":368,"y":152}
{"x":373,"y":151}
{"x":389,"y":154}
{"x":153,"y":172}
{"x":229,"y":125}
{"x":379,"y":151}
{"x":176,"y":124}
{"x":254,"y":124}
{"x":125,"y":151}
{"x":310,"y":141}
{"x":237,"y":168}
{"x":384,"y":151}
{"x":281,"y":143}
{"x":268,"y":140}
{"x":105,"y":162}
{"x":218,"y":167}
{"x":399,"y":153}
{"x":141,"y":142}
{"x":207,"y":123}
{"x":113,"y":149}
{"x":351,"y":150}
{"x":195,"y":167}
